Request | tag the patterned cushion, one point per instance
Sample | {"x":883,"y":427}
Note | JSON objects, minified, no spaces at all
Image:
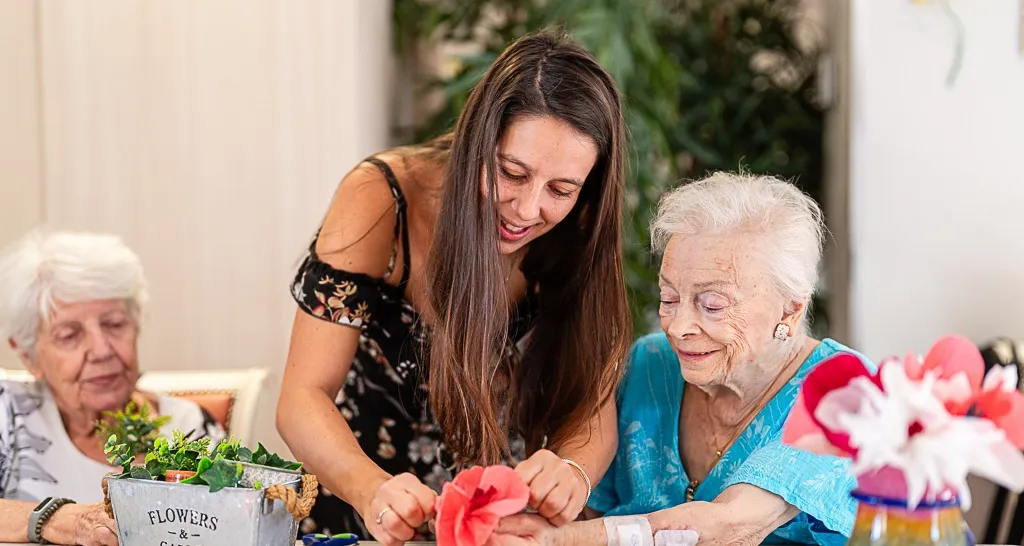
{"x":218,"y":403}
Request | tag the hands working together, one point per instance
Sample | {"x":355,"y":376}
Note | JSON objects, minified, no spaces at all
{"x":403,"y":504}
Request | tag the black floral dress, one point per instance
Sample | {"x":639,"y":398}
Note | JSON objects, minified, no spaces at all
{"x":384,"y":398}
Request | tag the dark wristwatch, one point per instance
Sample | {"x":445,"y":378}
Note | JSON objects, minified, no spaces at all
{"x":41,"y":514}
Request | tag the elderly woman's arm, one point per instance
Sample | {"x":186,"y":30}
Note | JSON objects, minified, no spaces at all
{"x":742,"y":514}
{"x":85,"y":524}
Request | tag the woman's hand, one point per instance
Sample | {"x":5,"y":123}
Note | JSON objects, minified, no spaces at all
{"x":403,"y":504}
{"x":523,"y":530}
{"x":557,"y":490}
{"x":84,"y":524}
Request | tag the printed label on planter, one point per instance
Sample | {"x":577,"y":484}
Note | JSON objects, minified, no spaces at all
{"x":153,"y":513}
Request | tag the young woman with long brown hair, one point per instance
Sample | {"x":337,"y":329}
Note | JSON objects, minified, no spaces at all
{"x":477,"y":281}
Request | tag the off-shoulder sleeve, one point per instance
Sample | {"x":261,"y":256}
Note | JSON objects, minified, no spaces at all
{"x":337,"y":296}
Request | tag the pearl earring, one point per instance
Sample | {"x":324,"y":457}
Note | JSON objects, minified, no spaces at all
{"x":782,"y":332}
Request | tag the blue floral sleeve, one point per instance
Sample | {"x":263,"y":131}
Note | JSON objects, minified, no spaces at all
{"x":818,"y":485}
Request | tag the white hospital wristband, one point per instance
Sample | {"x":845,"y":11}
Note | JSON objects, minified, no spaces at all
{"x":628,"y":531}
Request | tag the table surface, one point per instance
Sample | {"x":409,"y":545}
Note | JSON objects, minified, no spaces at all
{"x":299,"y":543}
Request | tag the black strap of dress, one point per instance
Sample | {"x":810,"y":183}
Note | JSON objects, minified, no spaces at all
{"x":401,"y":226}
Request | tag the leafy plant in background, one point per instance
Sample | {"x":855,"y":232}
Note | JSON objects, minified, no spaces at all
{"x":133,"y":426}
{"x":708,"y":85}
{"x":120,"y":454}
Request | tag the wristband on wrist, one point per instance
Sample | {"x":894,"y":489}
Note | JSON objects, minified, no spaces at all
{"x":41,"y":514}
{"x":628,"y":531}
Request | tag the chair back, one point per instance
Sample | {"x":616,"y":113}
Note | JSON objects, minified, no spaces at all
{"x":230,"y":396}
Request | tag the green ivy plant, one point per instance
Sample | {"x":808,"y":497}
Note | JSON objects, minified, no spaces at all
{"x":217,"y":473}
{"x":233,"y":450}
{"x":180,"y":453}
{"x":217,"y":469}
{"x":120,"y":454}
{"x":133,"y":425}
{"x":708,"y":85}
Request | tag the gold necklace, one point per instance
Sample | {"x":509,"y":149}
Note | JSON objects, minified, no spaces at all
{"x":512,"y":266}
{"x":691,"y":489}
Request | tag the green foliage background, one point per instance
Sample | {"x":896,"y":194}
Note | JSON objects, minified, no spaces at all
{"x":708,"y":85}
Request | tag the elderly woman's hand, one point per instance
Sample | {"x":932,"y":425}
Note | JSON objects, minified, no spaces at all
{"x":524,"y":530}
{"x":84,"y":524}
{"x":710,"y":520}
{"x":742,"y":514}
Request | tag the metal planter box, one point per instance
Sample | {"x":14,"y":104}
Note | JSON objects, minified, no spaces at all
{"x":156,"y":513}
{"x":266,"y":475}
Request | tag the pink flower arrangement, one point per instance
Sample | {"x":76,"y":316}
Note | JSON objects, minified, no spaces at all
{"x":470,"y":507}
{"x":917,"y":427}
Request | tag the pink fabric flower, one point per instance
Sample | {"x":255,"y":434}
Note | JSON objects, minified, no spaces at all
{"x":929,"y":421}
{"x":966,"y":390}
{"x":469,"y":508}
{"x":804,"y":429}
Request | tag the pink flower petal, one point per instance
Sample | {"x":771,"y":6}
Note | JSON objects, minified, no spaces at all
{"x":479,"y":529}
{"x":799,"y":423}
{"x":952,"y":354}
{"x":819,"y":444}
{"x":913,"y":365}
{"x":461,"y":529}
{"x":505,"y":481}
{"x":470,"y":507}
{"x":832,"y":374}
{"x":955,"y":392}
{"x":1012,"y":422}
{"x":506,"y":507}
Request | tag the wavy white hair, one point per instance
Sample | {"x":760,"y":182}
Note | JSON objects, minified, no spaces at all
{"x":791,"y":222}
{"x":43,"y":268}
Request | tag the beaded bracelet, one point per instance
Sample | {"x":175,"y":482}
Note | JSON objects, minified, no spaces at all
{"x":41,"y":514}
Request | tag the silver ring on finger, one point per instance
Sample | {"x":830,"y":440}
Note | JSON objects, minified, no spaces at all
{"x":380,"y":516}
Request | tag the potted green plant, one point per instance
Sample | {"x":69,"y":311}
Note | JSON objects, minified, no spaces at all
{"x":203,"y":495}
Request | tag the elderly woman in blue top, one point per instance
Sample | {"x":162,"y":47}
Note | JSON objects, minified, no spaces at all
{"x":702,"y":407}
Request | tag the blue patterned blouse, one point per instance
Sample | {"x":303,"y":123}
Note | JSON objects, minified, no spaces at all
{"x":647,"y":474}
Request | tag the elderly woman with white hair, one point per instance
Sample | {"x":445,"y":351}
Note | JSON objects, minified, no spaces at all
{"x":69,"y":306}
{"x":702,"y":406}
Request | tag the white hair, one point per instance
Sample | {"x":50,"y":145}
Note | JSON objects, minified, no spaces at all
{"x":43,"y":268}
{"x":790,"y":221}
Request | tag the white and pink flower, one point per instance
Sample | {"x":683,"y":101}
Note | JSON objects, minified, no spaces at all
{"x":916,"y":428}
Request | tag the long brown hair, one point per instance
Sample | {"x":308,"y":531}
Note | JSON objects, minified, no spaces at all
{"x":569,"y":365}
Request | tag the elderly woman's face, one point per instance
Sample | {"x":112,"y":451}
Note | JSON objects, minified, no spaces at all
{"x":718,"y":307}
{"x":86,"y":354}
